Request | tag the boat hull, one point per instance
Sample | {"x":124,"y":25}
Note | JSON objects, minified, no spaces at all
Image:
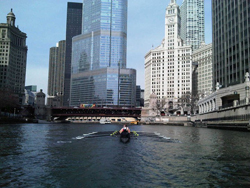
{"x":124,"y":139}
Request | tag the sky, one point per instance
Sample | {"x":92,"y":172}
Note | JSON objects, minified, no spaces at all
{"x":44,"y":22}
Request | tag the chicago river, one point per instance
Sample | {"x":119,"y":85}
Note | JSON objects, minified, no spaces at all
{"x":58,"y":155}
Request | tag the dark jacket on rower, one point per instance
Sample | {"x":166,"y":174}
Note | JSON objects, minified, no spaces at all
{"x":125,"y":132}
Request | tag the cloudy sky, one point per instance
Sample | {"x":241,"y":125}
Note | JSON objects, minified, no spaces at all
{"x":44,"y":22}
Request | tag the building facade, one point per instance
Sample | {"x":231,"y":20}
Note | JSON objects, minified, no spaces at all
{"x":73,"y":28}
{"x":103,"y":42}
{"x":104,"y":87}
{"x":99,"y":56}
{"x":194,"y":78}
{"x":203,"y":59}
{"x":30,"y":93}
{"x":168,"y":71}
{"x":29,"y":98}
{"x":225,"y":98}
{"x":40,"y":108}
{"x":231,"y":48}
{"x":231,"y":41}
{"x":56,"y":70}
{"x":139,"y":96}
{"x":192,"y":22}
{"x":13,"y":57}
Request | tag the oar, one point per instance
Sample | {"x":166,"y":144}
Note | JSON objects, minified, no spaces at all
{"x":97,"y":133}
{"x":105,"y":132}
{"x":100,"y":134}
{"x":155,"y":135}
{"x":115,"y":133}
{"x":96,"y":136}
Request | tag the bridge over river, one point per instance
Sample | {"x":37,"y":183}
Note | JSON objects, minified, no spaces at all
{"x":96,"y":112}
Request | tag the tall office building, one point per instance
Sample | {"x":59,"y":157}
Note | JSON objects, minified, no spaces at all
{"x":13,"y":57}
{"x":56,"y":70}
{"x":203,"y":58}
{"x":168,"y":71}
{"x":99,"y":73}
{"x":231,"y":41}
{"x":192,"y":22}
{"x":73,"y":28}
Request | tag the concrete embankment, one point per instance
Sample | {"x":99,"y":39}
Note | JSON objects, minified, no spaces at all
{"x":7,"y":120}
{"x":181,"y":123}
{"x":229,"y":125}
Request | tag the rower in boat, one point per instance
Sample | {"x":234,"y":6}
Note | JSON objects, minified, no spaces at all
{"x":125,"y":134}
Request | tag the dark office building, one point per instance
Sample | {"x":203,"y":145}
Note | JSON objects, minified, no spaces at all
{"x":138,"y":95}
{"x":73,"y":28}
{"x":231,"y":41}
{"x":13,"y":59}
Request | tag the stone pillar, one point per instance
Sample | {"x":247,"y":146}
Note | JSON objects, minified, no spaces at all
{"x":247,"y":87}
{"x":247,"y":94}
{"x":235,"y":103}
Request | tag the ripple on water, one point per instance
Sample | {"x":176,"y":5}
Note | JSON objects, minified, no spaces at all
{"x":64,"y":142}
{"x":51,"y":156}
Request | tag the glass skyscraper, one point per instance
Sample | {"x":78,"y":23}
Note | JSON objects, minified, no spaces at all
{"x":192,"y":22}
{"x":99,"y":73}
{"x":73,"y":28}
{"x":104,"y":87}
{"x":103,"y":42}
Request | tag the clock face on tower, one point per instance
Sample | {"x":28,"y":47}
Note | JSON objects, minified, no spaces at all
{"x":171,"y":19}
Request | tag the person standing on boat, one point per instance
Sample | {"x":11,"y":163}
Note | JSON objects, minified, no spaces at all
{"x":125,"y":129}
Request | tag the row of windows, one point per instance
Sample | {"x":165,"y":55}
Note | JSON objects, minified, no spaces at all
{"x":4,"y":43}
{"x":3,"y":54}
{"x":6,"y":46}
{"x":154,"y":54}
{"x":171,"y":11}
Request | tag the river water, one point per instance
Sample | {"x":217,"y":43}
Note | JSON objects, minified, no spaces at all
{"x":56,"y":155}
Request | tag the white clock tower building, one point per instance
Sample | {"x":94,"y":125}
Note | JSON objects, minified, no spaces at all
{"x":168,"y":68}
